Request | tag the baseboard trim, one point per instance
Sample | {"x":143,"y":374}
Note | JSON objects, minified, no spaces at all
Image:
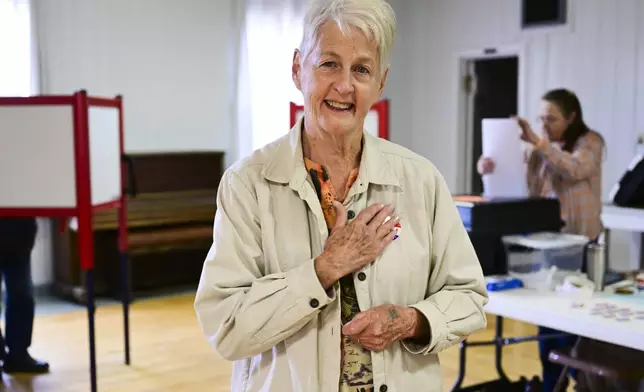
{"x":42,"y":290}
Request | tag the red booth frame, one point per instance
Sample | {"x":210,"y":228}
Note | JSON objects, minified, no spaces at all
{"x":380,"y":107}
{"x":84,"y":210}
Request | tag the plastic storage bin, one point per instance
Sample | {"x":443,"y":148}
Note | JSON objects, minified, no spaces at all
{"x":543,"y":260}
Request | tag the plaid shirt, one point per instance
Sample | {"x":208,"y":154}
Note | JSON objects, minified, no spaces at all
{"x":573,"y":178}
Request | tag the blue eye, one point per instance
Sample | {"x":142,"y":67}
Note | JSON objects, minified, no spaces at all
{"x":362,"y":70}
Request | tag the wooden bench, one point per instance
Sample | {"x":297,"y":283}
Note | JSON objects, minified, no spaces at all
{"x":168,"y":236}
{"x":170,"y":212}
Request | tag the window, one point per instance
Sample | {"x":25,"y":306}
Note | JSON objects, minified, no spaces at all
{"x":270,"y":35}
{"x":537,"y":13}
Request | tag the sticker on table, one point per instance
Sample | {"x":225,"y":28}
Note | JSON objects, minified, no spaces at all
{"x":623,"y":319}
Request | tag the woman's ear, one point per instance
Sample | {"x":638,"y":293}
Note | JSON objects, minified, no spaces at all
{"x":383,"y":80}
{"x":296,"y":69}
{"x":572,"y":117}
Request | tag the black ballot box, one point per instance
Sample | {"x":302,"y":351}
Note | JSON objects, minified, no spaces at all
{"x":487,"y":220}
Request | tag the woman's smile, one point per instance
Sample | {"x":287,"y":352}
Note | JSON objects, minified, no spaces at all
{"x":338,"y":106}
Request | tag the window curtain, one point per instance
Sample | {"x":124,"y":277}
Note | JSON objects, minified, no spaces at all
{"x":18,"y":70}
{"x":270,"y":30}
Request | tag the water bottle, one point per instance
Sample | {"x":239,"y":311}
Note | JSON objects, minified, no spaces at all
{"x":596,"y":264}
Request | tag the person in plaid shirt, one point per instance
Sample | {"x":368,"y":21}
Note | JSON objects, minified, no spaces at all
{"x":565,"y":163}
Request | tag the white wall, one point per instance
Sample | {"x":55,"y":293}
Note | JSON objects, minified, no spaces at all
{"x":171,"y":60}
{"x":174,"y":64}
{"x":42,"y":268}
{"x":601,"y":58}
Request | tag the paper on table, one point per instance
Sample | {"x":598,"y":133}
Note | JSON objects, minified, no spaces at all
{"x":502,"y":144}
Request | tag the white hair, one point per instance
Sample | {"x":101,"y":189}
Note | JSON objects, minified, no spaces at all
{"x":374,"y":18}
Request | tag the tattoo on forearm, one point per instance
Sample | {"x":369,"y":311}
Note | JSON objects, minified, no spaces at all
{"x":392,"y":313}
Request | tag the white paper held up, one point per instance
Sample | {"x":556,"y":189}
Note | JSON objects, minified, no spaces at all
{"x":501,"y":143}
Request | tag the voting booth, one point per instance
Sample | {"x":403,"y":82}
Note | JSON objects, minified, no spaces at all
{"x":376,"y":123}
{"x":62,"y":157}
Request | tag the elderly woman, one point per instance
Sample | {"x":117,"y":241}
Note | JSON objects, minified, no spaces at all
{"x":339,"y":261}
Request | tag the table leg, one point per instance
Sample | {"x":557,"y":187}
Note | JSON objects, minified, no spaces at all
{"x":559,"y":387}
{"x":125,"y":300}
{"x":503,"y":382}
{"x":498,"y":350}
{"x":461,"y":366}
{"x":92,"y":332}
{"x":498,"y":341}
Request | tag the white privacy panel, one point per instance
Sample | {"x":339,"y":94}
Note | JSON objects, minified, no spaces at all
{"x":37,"y":157}
{"x":371,"y":123}
{"x":105,"y":165}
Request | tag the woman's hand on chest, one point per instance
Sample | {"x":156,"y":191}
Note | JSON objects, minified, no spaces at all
{"x":351,"y":246}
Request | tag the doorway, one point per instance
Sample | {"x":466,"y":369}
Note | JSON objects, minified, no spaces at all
{"x":491,"y":85}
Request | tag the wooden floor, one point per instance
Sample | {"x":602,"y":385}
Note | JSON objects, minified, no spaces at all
{"x":170,"y":354}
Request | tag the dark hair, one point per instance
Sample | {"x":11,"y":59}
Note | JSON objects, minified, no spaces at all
{"x":569,"y":105}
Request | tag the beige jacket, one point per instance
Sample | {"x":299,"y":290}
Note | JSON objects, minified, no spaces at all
{"x":260,"y":303}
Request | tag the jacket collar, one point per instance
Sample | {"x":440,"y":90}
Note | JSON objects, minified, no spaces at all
{"x":286,"y":165}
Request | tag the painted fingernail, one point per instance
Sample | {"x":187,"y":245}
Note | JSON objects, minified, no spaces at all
{"x":387,"y":219}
